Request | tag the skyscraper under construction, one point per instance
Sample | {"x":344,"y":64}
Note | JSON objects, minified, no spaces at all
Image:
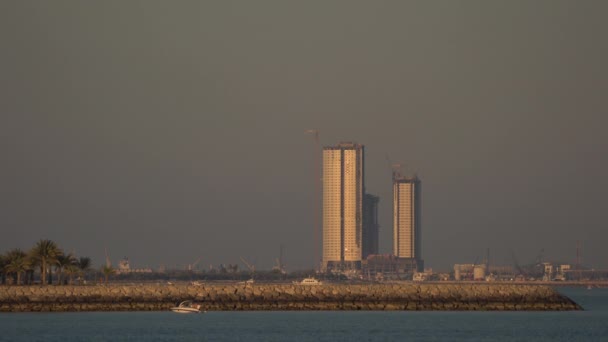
{"x":343,"y":190}
{"x":407,"y":220}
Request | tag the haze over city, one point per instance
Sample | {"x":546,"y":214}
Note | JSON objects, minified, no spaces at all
{"x":168,"y":131}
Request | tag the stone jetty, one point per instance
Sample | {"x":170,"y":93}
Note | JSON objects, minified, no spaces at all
{"x":403,"y":296}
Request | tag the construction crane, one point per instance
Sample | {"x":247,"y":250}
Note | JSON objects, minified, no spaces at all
{"x":249,"y":266}
{"x":279,"y":266}
{"x":108,"y":262}
{"x":394,"y":167}
{"x":516,"y":264}
{"x":191,"y":266}
{"x":314,"y":132}
{"x":539,"y":258}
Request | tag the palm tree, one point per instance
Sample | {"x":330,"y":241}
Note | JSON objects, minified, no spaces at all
{"x":45,"y":253}
{"x":63,"y":262}
{"x":107,"y":271}
{"x":16,"y":262}
{"x":84,"y":265}
{"x":70,"y":270}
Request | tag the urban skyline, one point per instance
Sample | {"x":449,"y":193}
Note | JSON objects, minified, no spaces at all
{"x":168,"y":133}
{"x":350,"y":214}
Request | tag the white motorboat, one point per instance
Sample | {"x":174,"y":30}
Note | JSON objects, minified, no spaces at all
{"x":248,"y":282}
{"x":187,"y":307}
{"x":308,"y":281}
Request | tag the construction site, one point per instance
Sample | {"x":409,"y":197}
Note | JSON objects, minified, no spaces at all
{"x":539,"y":270}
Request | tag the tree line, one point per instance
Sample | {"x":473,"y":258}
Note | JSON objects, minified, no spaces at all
{"x":45,"y":260}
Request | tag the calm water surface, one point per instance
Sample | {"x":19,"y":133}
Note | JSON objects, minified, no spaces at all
{"x":588,"y":325}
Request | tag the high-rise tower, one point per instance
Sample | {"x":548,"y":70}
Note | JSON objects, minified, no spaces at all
{"x":343,"y":190}
{"x":407,"y":219}
{"x":371,"y":229}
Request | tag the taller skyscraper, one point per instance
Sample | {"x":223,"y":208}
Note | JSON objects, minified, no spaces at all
{"x":343,"y":190}
{"x":407,"y":219}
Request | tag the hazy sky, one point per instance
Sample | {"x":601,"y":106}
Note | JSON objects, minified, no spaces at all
{"x":172,"y":130}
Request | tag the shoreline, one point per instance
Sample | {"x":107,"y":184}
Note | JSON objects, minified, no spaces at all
{"x":285,"y":297}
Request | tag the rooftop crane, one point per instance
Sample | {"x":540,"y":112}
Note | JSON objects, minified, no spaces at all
{"x":394,"y":167}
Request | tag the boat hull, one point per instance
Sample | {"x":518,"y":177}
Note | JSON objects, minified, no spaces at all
{"x":185,"y":310}
{"x":308,"y":282}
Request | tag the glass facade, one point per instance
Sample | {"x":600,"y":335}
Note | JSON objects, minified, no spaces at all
{"x":407,"y":218}
{"x":342,"y":203}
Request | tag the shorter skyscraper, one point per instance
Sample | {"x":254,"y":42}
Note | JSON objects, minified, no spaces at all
{"x":407,"y":219}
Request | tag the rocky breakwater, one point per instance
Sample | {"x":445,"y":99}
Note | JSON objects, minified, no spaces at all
{"x":408,"y":296}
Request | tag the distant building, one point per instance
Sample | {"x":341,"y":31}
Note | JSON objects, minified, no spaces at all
{"x":463,"y":271}
{"x":407,"y":218}
{"x":124,"y":267}
{"x":371,"y":228}
{"x":388,"y":266}
{"x":343,"y":190}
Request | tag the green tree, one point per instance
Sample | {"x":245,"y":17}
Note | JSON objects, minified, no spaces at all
{"x":17,"y":263}
{"x":45,"y":254}
{"x":107,"y":271}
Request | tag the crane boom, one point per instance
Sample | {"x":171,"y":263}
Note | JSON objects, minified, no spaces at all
{"x":249,"y":266}
{"x":516,"y":264}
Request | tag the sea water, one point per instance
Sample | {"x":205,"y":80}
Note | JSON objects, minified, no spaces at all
{"x":588,"y":325}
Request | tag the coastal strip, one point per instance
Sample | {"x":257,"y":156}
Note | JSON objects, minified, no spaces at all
{"x":227,"y":297}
